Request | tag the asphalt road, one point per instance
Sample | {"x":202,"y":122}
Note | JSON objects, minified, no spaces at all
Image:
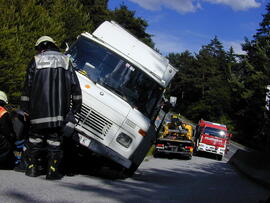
{"x":202,"y":179}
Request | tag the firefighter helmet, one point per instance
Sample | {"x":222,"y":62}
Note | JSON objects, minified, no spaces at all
{"x":44,"y":39}
{"x":3,"y":97}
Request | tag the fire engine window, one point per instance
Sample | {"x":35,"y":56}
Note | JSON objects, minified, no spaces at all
{"x":215,"y":132}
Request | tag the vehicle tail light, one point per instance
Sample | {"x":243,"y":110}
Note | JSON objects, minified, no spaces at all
{"x":190,"y":148}
{"x":160,"y":145}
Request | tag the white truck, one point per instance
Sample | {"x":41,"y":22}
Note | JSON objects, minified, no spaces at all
{"x":122,"y":82}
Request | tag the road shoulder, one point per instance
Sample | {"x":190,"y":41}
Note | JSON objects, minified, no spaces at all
{"x":253,"y":164}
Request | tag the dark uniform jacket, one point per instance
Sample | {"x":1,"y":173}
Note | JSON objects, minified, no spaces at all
{"x":51,"y":88}
{"x":7,"y":136}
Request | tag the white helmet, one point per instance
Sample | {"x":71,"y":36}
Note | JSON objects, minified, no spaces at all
{"x":3,"y":97}
{"x":44,"y":39}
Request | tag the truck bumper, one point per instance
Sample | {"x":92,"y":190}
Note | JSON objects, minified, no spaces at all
{"x":210,"y":150}
{"x":173,"y":152}
{"x":105,"y":151}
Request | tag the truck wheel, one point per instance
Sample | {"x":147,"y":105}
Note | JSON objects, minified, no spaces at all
{"x":155,"y":155}
{"x":189,"y":157}
{"x":130,"y":171}
{"x":117,"y":172}
{"x":219,"y":157}
{"x":195,"y":151}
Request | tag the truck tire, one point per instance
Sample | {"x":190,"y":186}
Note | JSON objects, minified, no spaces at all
{"x":219,"y":157}
{"x":130,"y":171}
{"x":117,"y":172}
{"x":195,"y":149}
{"x":156,"y":154}
{"x":189,"y":157}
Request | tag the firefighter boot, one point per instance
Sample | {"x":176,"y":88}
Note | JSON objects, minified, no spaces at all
{"x":32,"y":169}
{"x":22,"y":165}
{"x":53,"y":166}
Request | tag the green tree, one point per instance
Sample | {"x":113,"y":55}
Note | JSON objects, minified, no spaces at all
{"x":22,"y":22}
{"x":182,"y":84}
{"x":253,"y":117}
{"x":213,"y":99}
{"x":97,"y":10}
{"x":73,"y":16}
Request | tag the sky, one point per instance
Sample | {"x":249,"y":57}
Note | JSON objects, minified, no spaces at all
{"x":179,"y":25}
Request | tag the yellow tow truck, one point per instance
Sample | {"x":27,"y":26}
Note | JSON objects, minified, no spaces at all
{"x":176,"y":137}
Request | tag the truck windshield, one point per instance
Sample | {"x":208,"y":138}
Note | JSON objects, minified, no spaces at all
{"x":215,"y":132}
{"x":113,"y":72}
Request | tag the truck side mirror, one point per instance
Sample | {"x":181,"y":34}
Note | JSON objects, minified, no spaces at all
{"x":64,"y":45}
{"x":67,"y":47}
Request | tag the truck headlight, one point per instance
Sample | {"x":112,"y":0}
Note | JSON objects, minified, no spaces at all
{"x":124,"y":140}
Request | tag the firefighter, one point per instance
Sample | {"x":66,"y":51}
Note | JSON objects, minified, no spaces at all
{"x":7,"y":136}
{"x":21,"y":129}
{"x":51,"y":87}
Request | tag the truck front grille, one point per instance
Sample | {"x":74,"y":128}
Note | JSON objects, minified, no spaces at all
{"x":92,"y":121}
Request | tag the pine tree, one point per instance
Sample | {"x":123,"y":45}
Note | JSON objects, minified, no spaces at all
{"x":73,"y":16}
{"x":182,"y":85}
{"x":22,"y":23}
{"x":214,"y":97}
{"x":97,"y":10}
{"x":256,"y":75}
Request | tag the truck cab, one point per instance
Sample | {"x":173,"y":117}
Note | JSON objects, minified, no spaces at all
{"x":122,"y":82}
{"x":212,"y":138}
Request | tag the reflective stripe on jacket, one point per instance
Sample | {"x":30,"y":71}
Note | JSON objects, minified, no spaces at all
{"x":50,"y":88}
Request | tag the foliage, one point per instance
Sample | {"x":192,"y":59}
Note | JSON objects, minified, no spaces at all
{"x":22,"y":22}
{"x":201,"y":83}
{"x":228,"y":88}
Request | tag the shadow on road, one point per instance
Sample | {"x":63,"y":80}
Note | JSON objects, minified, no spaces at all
{"x":174,"y":181}
{"x":202,"y":179}
{"x":25,"y":198}
{"x":197,"y":184}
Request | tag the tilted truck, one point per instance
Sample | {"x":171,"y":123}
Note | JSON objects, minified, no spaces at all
{"x":122,"y":82}
{"x":176,"y":138}
{"x":212,"y":138}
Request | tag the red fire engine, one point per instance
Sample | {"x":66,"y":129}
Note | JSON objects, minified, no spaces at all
{"x":212,"y":138}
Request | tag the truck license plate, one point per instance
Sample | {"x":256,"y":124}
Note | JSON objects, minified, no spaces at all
{"x":84,"y":140}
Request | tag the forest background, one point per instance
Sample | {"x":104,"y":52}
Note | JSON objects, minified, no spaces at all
{"x":214,"y":84}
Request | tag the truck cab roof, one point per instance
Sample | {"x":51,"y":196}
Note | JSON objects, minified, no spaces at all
{"x":204,"y":123}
